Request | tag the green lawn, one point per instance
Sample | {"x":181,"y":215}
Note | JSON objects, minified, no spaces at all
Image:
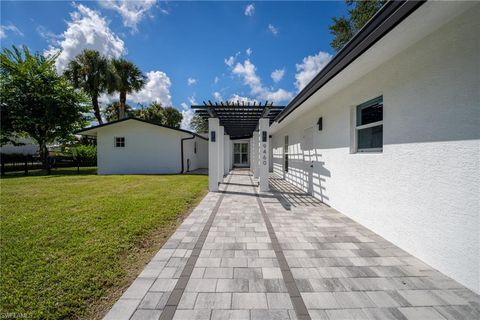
{"x":70,"y":243}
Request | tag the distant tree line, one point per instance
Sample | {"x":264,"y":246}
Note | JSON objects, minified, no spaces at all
{"x":37,"y":102}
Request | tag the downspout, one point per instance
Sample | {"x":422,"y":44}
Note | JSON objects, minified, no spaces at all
{"x":181,"y":149}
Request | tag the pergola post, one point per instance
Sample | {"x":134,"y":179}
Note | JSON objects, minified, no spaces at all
{"x":255,"y":155}
{"x":221,"y":154}
{"x":213,"y":150}
{"x":226,"y":155}
{"x":264,"y":131}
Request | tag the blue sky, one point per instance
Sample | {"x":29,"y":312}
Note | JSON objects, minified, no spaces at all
{"x":190,"y":51}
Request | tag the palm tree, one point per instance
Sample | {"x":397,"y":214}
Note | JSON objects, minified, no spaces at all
{"x":90,"y":71}
{"x":128,"y":79}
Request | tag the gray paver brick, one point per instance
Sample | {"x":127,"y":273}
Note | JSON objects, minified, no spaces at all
{"x":279,"y":301}
{"x":230,"y":315}
{"x":249,"y":301}
{"x":340,"y":268}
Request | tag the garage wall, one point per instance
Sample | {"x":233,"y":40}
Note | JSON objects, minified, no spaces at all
{"x":149,"y":149}
{"x":422,"y":191}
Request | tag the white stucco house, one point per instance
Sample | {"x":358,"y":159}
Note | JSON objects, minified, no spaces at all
{"x":388,"y":133}
{"x":136,"y":146}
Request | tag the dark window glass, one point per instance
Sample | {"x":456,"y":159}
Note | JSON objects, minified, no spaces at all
{"x":370,"y":112}
{"x":120,"y":142}
{"x":370,"y":138}
{"x":236,"y":158}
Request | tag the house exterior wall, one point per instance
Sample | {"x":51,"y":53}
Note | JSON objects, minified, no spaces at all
{"x":198,"y":160}
{"x":422,"y":191}
{"x":149,"y":149}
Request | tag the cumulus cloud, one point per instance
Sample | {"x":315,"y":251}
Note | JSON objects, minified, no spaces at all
{"x":310,"y":67}
{"x":249,"y":52}
{"x":217,"y":96}
{"x":236,"y":97}
{"x":248,"y":72}
{"x":191,"y":81}
{"x":132,"y":12}
{"x":4,"y":29}
{"x":187,"y":115}
{"x":156,"y":89}
{"x":250,"y":10}
{"x":86,"y":30}
{"x":272,"y":29}
{"x":278,"y":74}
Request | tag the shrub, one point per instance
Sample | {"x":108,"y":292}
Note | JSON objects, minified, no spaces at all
{"x":85,"y":153}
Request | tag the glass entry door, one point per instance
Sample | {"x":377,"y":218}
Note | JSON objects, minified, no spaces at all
{"x":240,"y":154}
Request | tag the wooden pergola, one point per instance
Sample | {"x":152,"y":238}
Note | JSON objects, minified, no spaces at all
{"x":240,"y":118}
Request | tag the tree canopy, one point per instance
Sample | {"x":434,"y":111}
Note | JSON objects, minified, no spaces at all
{"x":343,"y":28}
{"x":36,"y":101}
{"x":90,"y":71}
{"x":198,"y":124}
{"x":127,"y":78}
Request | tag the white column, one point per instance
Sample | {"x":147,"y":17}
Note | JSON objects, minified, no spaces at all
{"x":213,"y":126}
{"x":255,"y":155}
{"x":226,"y":155}
{"x":263,"y":126}
{"x":230,"y":150}
{"x":221,"y":154}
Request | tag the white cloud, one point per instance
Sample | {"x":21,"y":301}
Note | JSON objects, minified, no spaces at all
{"x":132,"y":12}
{"x":229,"y":61}
{"x":192,"y":99}
{"x":310,"y":67}
{"x":187,"y":115}
{"x":249,"y":52}
{"x":86,"y":30}
{"x":4,"y":29}
{"x":273,"y":29}
{"x":217,"y":96}
{"x":191,"y":81}
{"x":48,"y":35}
{"x":215,"y":80}
{"x":278,"y":74}
{"x":247,"y":71}
{"x":250,"y":10}
{"x":235,"y":97}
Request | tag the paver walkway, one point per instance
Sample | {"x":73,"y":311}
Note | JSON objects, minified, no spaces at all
{"x":285,"y":255}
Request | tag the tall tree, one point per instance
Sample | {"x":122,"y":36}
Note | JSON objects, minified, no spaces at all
{"x":360,"y":11}
{"x":112,"y":111}
{"x":154,"y":112}
{"x":90,"y":72}
{"x":198,"y":124}
{"x":37,"y":101}
{"x":127,"y":79}
{"x":172,"y":117}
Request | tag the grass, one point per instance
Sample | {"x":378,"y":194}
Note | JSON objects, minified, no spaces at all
{"x":70,"y":243}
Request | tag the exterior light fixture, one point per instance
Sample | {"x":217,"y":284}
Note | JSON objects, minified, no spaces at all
{"x":320,"y":124}
{"x":212,"y":136}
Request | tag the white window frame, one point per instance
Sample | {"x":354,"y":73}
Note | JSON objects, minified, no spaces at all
{"x":366,"y":126}
{"x":115,"y":142}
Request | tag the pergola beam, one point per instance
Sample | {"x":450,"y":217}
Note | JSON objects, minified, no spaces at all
{"x":239,"y":118}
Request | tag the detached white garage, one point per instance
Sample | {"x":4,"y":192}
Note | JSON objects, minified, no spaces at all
{"x":136,"y":146}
